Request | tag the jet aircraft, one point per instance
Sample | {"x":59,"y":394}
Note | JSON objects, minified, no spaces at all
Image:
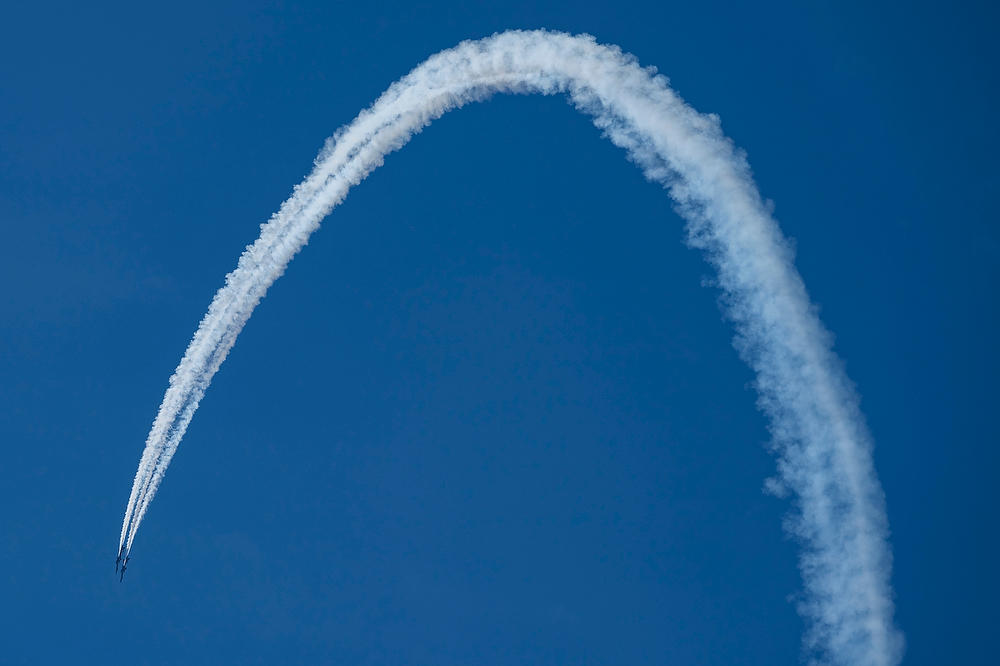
{"x":124,"y":564}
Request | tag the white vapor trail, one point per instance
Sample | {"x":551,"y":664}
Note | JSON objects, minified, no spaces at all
{"x":822,"y":444}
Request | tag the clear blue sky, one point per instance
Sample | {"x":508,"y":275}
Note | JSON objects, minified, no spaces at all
{"x":490,"y":415}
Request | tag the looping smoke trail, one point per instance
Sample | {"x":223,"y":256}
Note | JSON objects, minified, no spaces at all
{"x":823,"y":448}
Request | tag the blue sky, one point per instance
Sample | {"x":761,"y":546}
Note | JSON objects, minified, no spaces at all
{"x":491,"y":414}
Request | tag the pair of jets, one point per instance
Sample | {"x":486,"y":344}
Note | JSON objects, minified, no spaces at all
{"x":123,"y":564}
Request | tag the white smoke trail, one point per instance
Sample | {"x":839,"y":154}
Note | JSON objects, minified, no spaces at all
{"x":823,"y":448}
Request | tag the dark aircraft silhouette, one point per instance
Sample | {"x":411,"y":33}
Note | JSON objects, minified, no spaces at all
{"x":124,"y":564}
{"x":119,"y":560}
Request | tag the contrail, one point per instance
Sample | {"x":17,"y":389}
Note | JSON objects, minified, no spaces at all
{"x":820,"y":438}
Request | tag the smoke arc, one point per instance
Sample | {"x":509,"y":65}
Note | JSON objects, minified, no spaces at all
{"x":823,"y":449}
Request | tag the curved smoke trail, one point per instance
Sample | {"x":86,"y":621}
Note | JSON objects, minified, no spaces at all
{"x":823,"y":448}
